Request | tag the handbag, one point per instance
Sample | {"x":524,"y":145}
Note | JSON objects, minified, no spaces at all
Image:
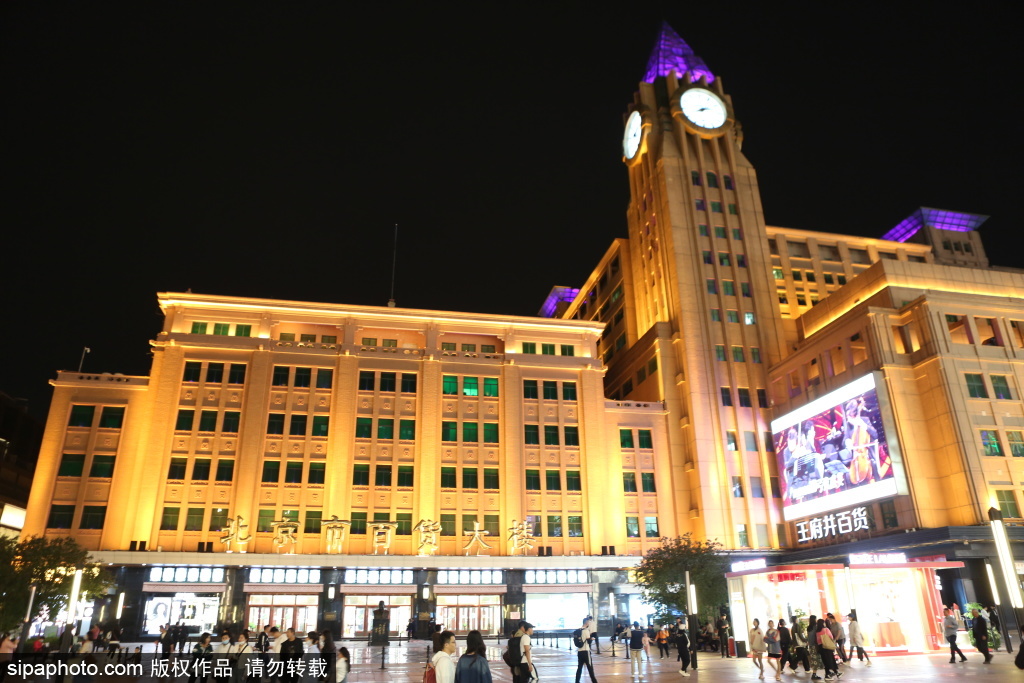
{"x":826,"y":640}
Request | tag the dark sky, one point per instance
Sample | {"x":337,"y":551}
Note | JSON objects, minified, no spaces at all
{"x":268,"y":149}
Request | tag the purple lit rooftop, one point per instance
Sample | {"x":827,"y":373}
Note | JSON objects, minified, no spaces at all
{"x":671,"y":54}
{"x":940,"y":219}
{"x":558,"y":295}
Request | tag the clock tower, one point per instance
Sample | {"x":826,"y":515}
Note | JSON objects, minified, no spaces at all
{"x":700,"y":275}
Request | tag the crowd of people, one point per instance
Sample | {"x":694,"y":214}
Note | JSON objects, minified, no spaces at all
{"x":817,"y":645}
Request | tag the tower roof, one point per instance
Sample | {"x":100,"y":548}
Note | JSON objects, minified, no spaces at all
{"x":671,"y":54}
{"x":934,"y":218}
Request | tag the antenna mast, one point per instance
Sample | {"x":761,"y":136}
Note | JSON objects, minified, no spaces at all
{"x":394,"y":262}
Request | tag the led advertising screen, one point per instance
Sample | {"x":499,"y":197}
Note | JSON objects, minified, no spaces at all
{"x":833,"y":453}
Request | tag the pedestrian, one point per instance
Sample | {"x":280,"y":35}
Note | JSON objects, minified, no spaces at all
{"x":636,"y":650}
{"x":410,"y":628}
{"x":527,"y":671}
{"x":182,"y":636}
{"x":202,"y":654}
{"x":647,"y":644}
{"x":581,"y":639}
{"x":342,"y":666}
{"x":799,"y":647}
{"x":472,"y":666}
{"x":241,"y":659}
{"x":683,"y":647}
{"x":993,"y":620}
{"x":827,"y":651}
{"x":785,"y":644}
{"x":771,"y":642}
{"x":723,"y":635}
{"x":950,"y":625}
{"x":291,"y":650}
{"x":222,"y":652}
{"x":857,"y":639}
{"x":813,"y":651}
{"x":113,"y":642}
{"x":513,"y":655}
{"x":835,"y":628}
{"x":980,"y":629}
{"x":757,"y":646}
{"x":436,"y":641}
{"x":444,"y":668}
{"x":328,"y":652}
{"x":662,"y":638}
{"x":310,"y":654}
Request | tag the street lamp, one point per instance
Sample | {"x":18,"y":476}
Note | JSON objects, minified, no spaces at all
{"x":692,"y":623}
{"x":1009,"y":568}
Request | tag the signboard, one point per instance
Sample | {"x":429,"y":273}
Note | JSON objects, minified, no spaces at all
{"x":878,"y":558}
{"x":833,"y":452}
{"x":747,"y":565}
{"x":836,"y":524}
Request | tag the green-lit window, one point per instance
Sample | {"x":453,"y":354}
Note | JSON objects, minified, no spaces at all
{"x":390,"y":343}
{"x":449,"y":431}
{"x":554,"y":526}
{"x":990,"y":444}
{"x":198,"y":328}
{"x":547,"y":349}
{"x":531,"y":435}
{"x":723,"y":258}
{"x":364,"y":427}
{"x":194,"y":519}
{"x":732,"y":209}
{"x":271,"y":471}
{"x":388,"y":381}
{"x":185,"y":420}
{"x":572,"y":435}
{"x":492,"y":525}
{"x":712,"y":179}
{"x":552,"y":480}
{"x":491,"y":480}
{"x":732,"y":316}
{"x":468,"y":348}
{"x":728,"y":288}
{"x":324,"y":378}
{"x":755,"y":354}
{"x":385,"y":428}
{"x":487,"y":348}
{"x":407,"y":430}
{"x":405,"y":475}
{"x":470,"y":478}
{"x":568,"y":350}
{"x":745,"y":289}
{"x":778,"y":274}
{"x":243,"y":330}
{"x":490,"y":386}
{"x":81,"y":416}
{"x":225,"y":469}
{"x":573,"y":482}
{"x":1000,"y":386}
{"x":293,"y":473}
{"x":720,"y":352}
{"x":207,"y":420}
{"x":651,"y":527}
{"x":702,"y":229}
{"x":550,"y":435}
{"x":102,"y":466}
{"x":447,"y":346}
{"x":382,"y":475}
{"x":192,"y":372}
{"x":314,"y":519}
{"x":731,"y":442}
{"x":695,"y":177}
{"x":317,"y":473}
{"x":490,"y":432}
{"x":1008,"y":503}
{"x":111,"y":418}
{"x":280,"y":378}
{"x":297,"y":427}
{"x":404,"y":521}
{"x":737,"y":354}
{"x":201,"y":469}
{"x":231,"y":421}
{"x":223,"y":329}
{"x":716,"y":207}
{"x":470,"y":386}
{"x":236,"y":373}
{"x":71,"y":465}
{"x":265,"y":520}
{"x":447,"y":525}
{"x":647,"y":482}
{"x":408,"y":383}
{"x":529,"y":347}
{"x":169,"y":519}
{"x":450,"y":385}
{"x":448,"y":478}
{"x":709,"y":258}
{"x":644,"y":437}
{"x":367,"y":380}
{"x":568,"y":391}
{"x":716,"y":315}
{"x":286,"y":336}
{"x":360,"y":475}
{"x":321,"y":425}
{"x":533,"y":480}
{"x":93,"y":517}
{"x":358,"y":520}
{"x":626,"y":438}
{"x":176,"y":471}
{"x":575,"y":526}
{"x":61,"y":517}
{"x":1016,"y":440}
{"x":551,"y":391}
{"x":712,"y":286}
{"x":629,"y":482}
{"x":218,"y":519}
{"x":530,"y":388}
{"x":214,"y":373}
{"x":632,"y":527}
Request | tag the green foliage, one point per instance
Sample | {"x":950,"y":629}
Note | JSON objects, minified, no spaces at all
{"x":994,"y":639}
{"x":662,"y":576}
{"x":50,"y":565}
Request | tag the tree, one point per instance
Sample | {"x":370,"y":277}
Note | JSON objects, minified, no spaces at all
{"x":50,"y":564}
{"x":662,"y":575}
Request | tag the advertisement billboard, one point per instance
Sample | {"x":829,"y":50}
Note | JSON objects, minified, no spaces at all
{"x":833,"y":452}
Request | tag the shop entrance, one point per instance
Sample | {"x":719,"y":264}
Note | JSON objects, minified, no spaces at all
{"x":358,"y":614}
{"x":283,"y":611}
{"x":198,"y":613}
{"x":461,"y":614}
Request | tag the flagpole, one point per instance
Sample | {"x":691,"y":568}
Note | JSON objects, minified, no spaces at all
{"x":81,"y":362}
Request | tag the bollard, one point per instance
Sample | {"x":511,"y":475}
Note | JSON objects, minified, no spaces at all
{"x":383,"y":651}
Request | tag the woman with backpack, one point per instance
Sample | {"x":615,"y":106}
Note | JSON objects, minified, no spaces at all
{"x":472,"y":666}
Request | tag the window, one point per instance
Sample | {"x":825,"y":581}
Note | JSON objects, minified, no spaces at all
{"x":408,"y":383}
{"x":405,"y":475}
{"x":169,"y":519}
{"x":529,"y":347}
{"x":748,"y":319}
{"x":449,"y":431}
{"x":552,"y":480}
{"x":390,"y":343}
{"x":731,"y":441}
{"x":218,"y":519}
{"x":1008,"y":503}
{"x":385,"y":428}
{"x":530,"y":388}
{"x":243,"y":330}
{"x":387,"y":381}
{"x":533,"y":480}
{"x":61,"y":517}
{"x":236,"y":374}
{"x":364,"y":427}
{"x":450,"y":385}
{"x":490,"y":386}
{"x":737,"y":487}
{"x":317,"y":473}
{"x":81,"y":416}
{"x":491,"y":480}
{"x":324,"y":378}
{"x":185,"y":420}
{"x":750,"y":441}
{"x":732,"y":316}
{"x":728,"y":182}
{"x":755,"y":354}
{"x":756,"y":487}
{"x":629,"y":482}
{"x":271,"y":471}
{"x":774,"y":483}
{"x":407,"y":430}
{"x":358,"y":520}
{"x":644,"y":438}
{"x":264,"y":522}
{"x":632,"y":527}
{"x":1015,"y":438}
{"x":201,"y":469}
{"x":744,"y":394}
{"x":568,"y":350}
{"x":470,"y":432}
{"x":490,"y":432}
{"x":554,"y":526}
{"x":626,"y":438}
{"x":286,"y":337}
{"x":382,"y":475}
{"x":360,"y":475}
{"x":93,"y":517}
{"x":547,"y":349}
{"x":700,"y":205}
{"x":726,"y":396}
{"x":572,"y":435}
{"x":732,"y":210}
{"x":550,"y":391}
{"x":470,"y":478}
{"x":709,"y":259}
{"x":841,"y":279}
{"x":448,"y":479}
{"x":741,"y":535}
{"x":293,"y":473}
{"x":313,"y":522}
{"x":741,"y":262}
{"x":222,"y":329}
{"x":192,"y":371}
{"x":712,"y":179}
{"x":737,"y":354}
{"x":568,"y":391}
{"x":1000,"y":385}
{"x":723,"y":258}
{"x":695,"y":177}
{"x":647,"y":482}
{"x":762,"y":398}
{"x":72,"y":464}
{"x":447,"y":346}
{"x":297,"y":426}
{"x":367,"y":380}
{"x":198,"y":328}
{"x":716,"y":315}
{"x":328,"y":339}
{"x":720,"y":231}
{"x":990,"y":444}
{"x":321,"y":425}
{"x":208,"y":420}
{"x":712,"y":287}
{"x":469,"y":348}
{"x":575,"y":526}
{"x":177,"y":469}
{"x":194,"y":519}
{"x":976,"y":386}
{"x":215,"y":373}
{"x":745,"y":289}
{"x":716,"y":207}
{"x":280,"y":378}
{"x":102,"y":466}
{"x":720,"y":352}
{"x":550,"y":435}
{"x":728,"y":288}
{"x":703,"y":230}
{"x":531,"y":436}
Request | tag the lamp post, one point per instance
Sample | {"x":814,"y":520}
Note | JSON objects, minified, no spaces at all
{"x":1008,"y":567}
{"x":23,"y":645}
{"x":692,"y":623}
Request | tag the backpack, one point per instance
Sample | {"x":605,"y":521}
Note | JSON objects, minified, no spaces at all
{"x":577,"y":638}
{"x":513,"y":656}
{"x":430,"y":675}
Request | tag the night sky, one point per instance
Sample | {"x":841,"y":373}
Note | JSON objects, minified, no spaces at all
{"x":268,"y":149}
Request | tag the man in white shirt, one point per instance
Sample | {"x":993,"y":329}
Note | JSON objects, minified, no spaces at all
{"x":526,"y":671}
{"x":444,"y":667}
{"x":583,"y":651}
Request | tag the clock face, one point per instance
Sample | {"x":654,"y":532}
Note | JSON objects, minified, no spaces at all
{"x":703,"y":108}
{"x":631,"y":139}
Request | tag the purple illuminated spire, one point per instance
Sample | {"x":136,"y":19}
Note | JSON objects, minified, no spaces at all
{"x":934,"y":218}
{"x":671,"y":54}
